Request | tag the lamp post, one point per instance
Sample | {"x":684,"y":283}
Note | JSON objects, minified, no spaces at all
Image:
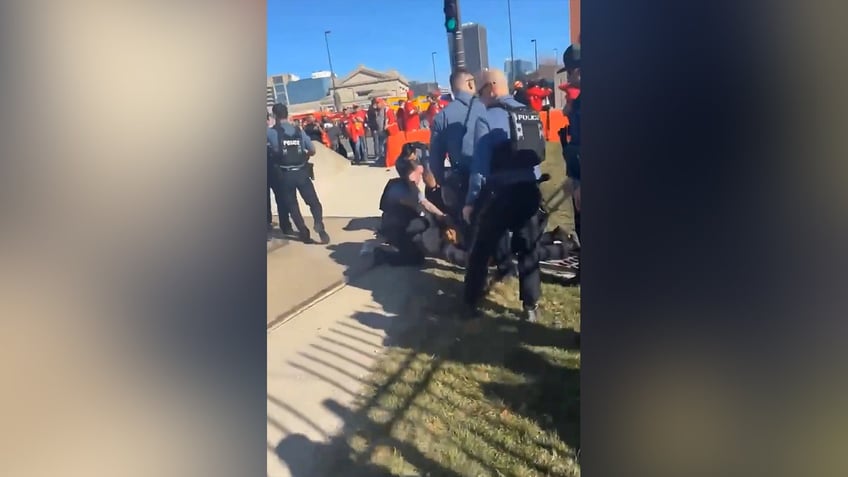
{"x":433,"y":57}
{"x":556,"y":56}
{"x":511,"y":49}
{"x":536,"y":52}
{"x":336,"y":99}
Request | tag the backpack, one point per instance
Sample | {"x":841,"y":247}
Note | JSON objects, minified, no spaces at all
{"x":526,"y":146}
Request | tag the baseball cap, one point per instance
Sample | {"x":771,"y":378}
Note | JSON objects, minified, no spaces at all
{"x":570,"y":58}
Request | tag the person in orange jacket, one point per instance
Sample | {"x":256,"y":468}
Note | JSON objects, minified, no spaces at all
{"x":411,"y":116}
{"x":356,"y":133}
{"x":536,"y":94}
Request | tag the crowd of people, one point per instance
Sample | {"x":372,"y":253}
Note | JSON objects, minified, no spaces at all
{"x":486,"y":208}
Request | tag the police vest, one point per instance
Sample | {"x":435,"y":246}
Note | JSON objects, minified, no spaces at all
{"x":526,"y":146}
{"x":397,"y":216}
{"x":291,"y":152}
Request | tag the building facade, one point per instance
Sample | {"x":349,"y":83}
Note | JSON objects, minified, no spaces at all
{"x":476,"y":46}
{"x":520,"y":68}
{"x":291,"y":89}
{"x":359,"y":87}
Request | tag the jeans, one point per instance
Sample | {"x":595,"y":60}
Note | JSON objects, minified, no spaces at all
{"x":380,"y":145}
{"x":359,"y":149}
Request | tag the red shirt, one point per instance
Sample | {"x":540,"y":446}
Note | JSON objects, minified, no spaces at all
{"x":535,"y":95}
{"x":433,"y":110}
{"x":355,"y":128}
{"x":411,"y":119}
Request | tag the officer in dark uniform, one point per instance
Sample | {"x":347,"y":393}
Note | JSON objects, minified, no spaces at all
{"x":406,"y":213}
{"x":275,"y":183}
{"x":503,"y":191}
{"x":571,"y":148}
{"x":291,"y":150}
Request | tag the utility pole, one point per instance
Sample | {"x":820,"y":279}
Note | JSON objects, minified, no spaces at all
{"x":556,"y":56}
{"x":454,"y":27}
{"x":511,"y":49}
{"x":433,"y":57}
{"x":536,"y":53}
{"x":336,"y":99}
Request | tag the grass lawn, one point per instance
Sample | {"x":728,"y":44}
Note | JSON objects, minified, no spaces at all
{"x":503,"y":401}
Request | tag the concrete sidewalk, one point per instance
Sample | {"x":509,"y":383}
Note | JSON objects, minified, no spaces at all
{"x":317,"y":362}
{"x":296,"y":272}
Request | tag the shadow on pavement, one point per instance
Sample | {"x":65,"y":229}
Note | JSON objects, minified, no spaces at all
{"x":418,"y":318}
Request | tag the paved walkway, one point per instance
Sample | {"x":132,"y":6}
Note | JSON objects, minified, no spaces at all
{"x":316,"y":365}
{"x":318,"y":357}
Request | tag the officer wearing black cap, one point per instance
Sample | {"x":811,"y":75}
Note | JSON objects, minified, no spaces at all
{"x":571,"y":147}
{"x":403,"y":205}
{"x":291,"y":149}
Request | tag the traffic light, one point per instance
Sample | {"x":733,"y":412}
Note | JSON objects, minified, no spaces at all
{"x":451,"y":16}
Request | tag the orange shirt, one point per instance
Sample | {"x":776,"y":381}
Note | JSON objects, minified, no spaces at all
{"x":411,"y":119}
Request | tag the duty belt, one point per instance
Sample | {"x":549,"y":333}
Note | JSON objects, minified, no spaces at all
{"x":292,"y":168}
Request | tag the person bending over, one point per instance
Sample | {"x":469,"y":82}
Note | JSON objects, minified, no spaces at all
{"x":404,"y":207}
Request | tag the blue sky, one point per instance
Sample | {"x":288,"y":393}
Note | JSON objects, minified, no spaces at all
{"x":365,"y":32}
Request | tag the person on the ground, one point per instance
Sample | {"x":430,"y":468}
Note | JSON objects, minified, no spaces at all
{"x":536,"y":96}
{"x":452,"y":137}
{"x":503,"y":191}
{"x":404,"y":204}
{"x":570,"y":137}
{"x":291,"y":149}
{"x":432,"y":235}
{"x":356,"y":133}
{"x":411,"y":114}
{"x":274,"y":180}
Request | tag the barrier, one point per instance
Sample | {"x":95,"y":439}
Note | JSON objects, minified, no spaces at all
{"x":396,"y":140}
{"x":552,"y":121}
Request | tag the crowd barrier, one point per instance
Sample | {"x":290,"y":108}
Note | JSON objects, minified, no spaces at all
{"x":396,"y":140}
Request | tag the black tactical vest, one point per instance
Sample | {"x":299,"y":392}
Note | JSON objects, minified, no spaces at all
{"x":526,"y":146}
{"x":291,"y":148}
{"x":397,"y":216}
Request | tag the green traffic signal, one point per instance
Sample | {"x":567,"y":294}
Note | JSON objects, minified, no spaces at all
{"x":450,"y":24}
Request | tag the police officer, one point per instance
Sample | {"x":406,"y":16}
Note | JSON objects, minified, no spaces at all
{"x":291,"y":150}
{"x":404,"y":220}
{"x":452,"y":134}
{"x":275,"y":184}
{"x":503,"y":192}
{"x":571,"y":148}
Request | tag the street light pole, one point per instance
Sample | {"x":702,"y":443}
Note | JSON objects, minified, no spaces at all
{"x":511,"y":49}
{"x":336,"y":102}
{"x":536,"y":53}
{"x":433,"y":57}
{"x":556,"y":56}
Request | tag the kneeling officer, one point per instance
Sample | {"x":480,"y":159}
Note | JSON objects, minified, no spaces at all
{"x":291,"y":150}
{"x":503,"y":193}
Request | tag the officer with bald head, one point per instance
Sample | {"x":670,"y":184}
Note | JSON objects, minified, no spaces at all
{"x":503,"y":192}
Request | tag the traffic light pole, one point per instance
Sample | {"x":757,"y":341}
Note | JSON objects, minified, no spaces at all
{"x":458,"y":57}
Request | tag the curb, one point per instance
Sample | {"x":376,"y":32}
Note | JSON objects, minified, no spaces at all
{"x":313,"y":300}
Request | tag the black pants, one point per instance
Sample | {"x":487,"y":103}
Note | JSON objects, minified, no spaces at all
{"x":510,"y":209}
{"x":275,"y":183}
{"x":295,"y":181}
